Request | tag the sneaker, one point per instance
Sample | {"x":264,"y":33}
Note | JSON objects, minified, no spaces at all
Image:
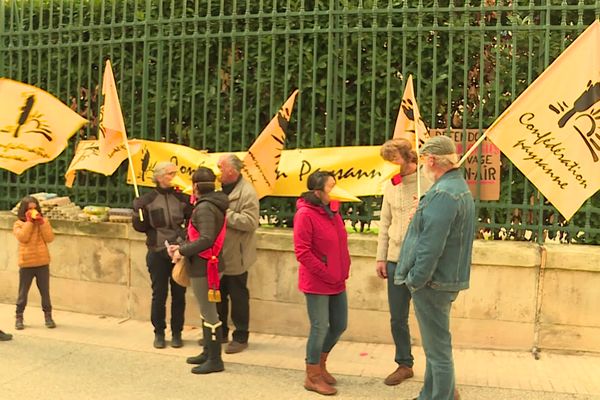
{"x":235,"y":347}
{"x":5,"y":336}
{"x":19,"y":325}
{"x":159,"y":341}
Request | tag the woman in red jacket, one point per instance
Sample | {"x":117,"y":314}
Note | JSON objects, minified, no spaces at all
{"x":321,"y":247}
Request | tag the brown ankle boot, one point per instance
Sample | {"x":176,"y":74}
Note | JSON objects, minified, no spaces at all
{"x":327,"y":377}
{"x":314,"y":381}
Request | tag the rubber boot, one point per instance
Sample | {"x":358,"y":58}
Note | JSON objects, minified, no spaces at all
{"x":202,"y":357}
{"x":214,"y":363}
{"x":314,"y":381}
{"x":327,"y":377}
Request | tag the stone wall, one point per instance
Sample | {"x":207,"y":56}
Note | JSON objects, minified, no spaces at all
{"x":522,"y":295}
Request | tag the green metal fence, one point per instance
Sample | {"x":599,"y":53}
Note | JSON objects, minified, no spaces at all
{"x":210,"y":74}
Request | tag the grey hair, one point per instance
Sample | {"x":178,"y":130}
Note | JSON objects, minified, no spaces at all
{"x":446,"y":161}
{"x":234,"y":161}
{"x":160,"y":169}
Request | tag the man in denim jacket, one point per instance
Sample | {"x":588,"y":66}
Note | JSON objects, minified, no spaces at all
{"x":435,"y":261}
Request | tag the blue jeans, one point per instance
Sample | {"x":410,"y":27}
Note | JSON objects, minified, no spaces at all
{"x":328,"y":315}
{"x":399,"y":302}
{"x":432,"y":308}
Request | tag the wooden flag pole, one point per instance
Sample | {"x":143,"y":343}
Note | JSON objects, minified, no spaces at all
{"x":471,"y":150}
{"x":133,"y":177}
{"x":418,"y":162}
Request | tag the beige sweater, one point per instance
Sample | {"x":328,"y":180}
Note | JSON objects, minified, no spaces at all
{"x":395,"y":215}
{"x":33,"y":239}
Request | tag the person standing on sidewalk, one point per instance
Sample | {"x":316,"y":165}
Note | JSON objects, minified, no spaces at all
{"x":435,"y":261}
{"x":206,"y":234}
{"x":398,"y":200}
{"x":239,"y":251}
{"x":321,"y":248}
{"x":33,"y":233}
{"x":165,"y":213}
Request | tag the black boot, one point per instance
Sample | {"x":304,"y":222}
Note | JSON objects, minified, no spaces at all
{"x":176,"y":340}
{"x":202,"y":357}
{"x":159,"y":340}
{"x":48,"y":320}
{"x":214,"y":363}
{"x":19,"y":322}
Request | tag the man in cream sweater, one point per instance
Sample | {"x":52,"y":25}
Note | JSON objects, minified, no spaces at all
{"x":399,"y":199}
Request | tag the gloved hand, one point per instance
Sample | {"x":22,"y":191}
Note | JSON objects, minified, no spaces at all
{"x":140,"y":202}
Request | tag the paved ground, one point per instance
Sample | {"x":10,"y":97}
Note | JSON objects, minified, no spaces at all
{"x":92,"y":357}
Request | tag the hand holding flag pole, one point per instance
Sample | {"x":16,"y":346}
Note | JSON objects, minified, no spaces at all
{"x":112,"y":125}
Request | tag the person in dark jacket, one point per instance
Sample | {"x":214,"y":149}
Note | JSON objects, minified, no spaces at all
{"x":165,"y":213}
{"x":321,"y":247}
{"x":206,"y":234}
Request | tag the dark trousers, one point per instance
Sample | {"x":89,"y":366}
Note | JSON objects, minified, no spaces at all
{"x":160,"y":268}
{"x":42,"y":280}
{"x":399,"y":302}
{"x":236,"y":288}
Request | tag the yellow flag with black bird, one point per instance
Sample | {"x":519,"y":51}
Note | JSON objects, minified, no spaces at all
{"x":551,"y":132}
{"x":409,"y":124}
{"x":262,"y":159}
{"x":35,"y":126}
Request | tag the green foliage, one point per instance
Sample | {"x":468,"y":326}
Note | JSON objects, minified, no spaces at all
{"x":210,"y":74}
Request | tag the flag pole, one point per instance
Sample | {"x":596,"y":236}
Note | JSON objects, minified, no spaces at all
{"x":472,"y":149}
{"x":133,"y":177}
{"x":418,"y":161}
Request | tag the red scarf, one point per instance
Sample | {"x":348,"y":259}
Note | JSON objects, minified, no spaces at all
{"x":212,"y":255}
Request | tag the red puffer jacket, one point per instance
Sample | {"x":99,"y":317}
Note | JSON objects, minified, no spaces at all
{"x":321,"y":247}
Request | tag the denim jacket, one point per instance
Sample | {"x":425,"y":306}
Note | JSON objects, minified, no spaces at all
{"x":436,"y":251}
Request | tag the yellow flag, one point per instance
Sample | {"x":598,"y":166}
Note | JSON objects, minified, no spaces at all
{"x":552,"y":131}
{"x":409,"y":124}
{"x":112,"y":133}
{"x":359,"y":170}
{"x":34,"y":126}
{"x":185,"y":158}
{"x":108,"y":152}
{"x":262,"y":159}
{"x":89,"y":157}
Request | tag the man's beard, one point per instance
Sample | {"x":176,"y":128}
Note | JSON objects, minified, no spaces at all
{"x":428,"y":173}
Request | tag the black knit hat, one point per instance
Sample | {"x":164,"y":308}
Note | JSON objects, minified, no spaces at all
{"x":204,"y":180}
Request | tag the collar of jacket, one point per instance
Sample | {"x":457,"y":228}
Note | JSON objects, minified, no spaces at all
{"x":165,"y":190}
{"x":228,"y":188}
{"x":313,"y":200}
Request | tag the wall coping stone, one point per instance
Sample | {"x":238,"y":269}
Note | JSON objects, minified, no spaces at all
{"x":506,"y":253}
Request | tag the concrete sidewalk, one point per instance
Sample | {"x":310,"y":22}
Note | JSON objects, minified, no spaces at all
{"x":562,"y":374}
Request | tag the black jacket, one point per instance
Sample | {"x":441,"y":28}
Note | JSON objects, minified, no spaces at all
{"x":165,"y":213}
{"x":208,"y":218}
